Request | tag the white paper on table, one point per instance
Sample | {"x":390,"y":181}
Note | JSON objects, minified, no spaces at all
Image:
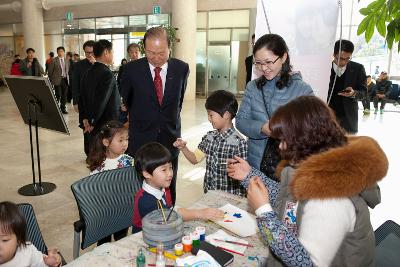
{"x":222,"y":235}
{"x":238,"y":221}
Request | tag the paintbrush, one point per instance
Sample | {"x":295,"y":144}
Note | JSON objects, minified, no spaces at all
{"x":233,"y":242}
{"x":169,"y":215}
{"x":162,"y":211}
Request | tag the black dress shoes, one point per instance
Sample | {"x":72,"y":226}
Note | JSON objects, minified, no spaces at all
{"x":64,"y":112}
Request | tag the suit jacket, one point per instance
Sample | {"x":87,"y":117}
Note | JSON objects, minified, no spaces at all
{"x":55,"y":72}
{"x":357,"y":79}
{"x":100,"y":97}
{"x":79,"y":69}
{"x":148,"y":121}
{"x":249,"y":68}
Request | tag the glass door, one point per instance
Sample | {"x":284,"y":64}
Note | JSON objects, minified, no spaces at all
{"x":219,"y":67}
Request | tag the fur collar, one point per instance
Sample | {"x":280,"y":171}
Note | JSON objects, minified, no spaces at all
{"x":340,"y":172}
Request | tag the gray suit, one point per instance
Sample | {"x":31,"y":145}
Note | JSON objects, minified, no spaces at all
{"x":60,"y":83}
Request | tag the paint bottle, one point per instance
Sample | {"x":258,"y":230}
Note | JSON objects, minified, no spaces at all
{"x":195,"y":239}
{"x":178,"y":249}
{"x":187,"y":243}
{"x":160,"y":260}
{"x":202,"y":232}
{"x":140,"y":259}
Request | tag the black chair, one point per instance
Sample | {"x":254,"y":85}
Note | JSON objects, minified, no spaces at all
{"x":33,"y":231}
{"x":105,"y":204}
{"x":394,"y":93}
{"x":387,"y":243}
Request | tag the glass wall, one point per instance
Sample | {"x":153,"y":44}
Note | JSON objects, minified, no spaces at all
{"x":121,"y":31}
{"x":222,"y":45}
{"x":375,"y":56}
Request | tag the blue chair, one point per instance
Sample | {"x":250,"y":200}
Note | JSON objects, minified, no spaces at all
{"x":33,"y":231}
{"x":387,"y":243}
{"x":105,"y":203}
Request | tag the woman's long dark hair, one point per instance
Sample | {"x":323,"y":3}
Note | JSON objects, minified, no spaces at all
{"x":308,"y":126}
{"x":98,"y":151}
{"x":277,"y":45}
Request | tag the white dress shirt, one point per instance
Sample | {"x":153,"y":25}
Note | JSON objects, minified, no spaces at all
{"x":163,"y":73}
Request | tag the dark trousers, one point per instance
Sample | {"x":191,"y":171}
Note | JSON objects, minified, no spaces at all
{"x":69,"y":93}
{"x":61,"y":93}
{"x":86,"y":141}
{"x":172,"y":187}
{"x":346,"y":125}
{"x":376,"y":100}
{"x":366,"y":102}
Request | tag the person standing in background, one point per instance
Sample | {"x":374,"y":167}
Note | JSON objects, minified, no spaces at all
{"x":30,"y":66}
{"x":99,"y":92}
{"x":15,"y":66}
{"x":249,"y":62}
{"x":68,"y":66}
{"x":49,"y":60}
{"x":78,"y":71}
{"x":58,"y":76}
{"x":350,"y":86}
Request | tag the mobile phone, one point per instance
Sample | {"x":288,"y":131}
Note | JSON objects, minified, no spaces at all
{"x":347,"y":90}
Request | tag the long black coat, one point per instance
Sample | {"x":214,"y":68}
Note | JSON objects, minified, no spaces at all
{"x":148,"y":121}
{"x":357,"y":79}
{"x":99,"y":96}
{"x":78,"y":71}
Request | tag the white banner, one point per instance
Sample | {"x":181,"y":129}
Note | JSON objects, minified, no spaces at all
{"x":309,"y":29}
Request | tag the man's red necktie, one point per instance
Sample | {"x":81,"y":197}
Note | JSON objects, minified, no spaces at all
{"x":158,"y":84}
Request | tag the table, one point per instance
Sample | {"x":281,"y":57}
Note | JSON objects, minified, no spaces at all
{"x":123,"y":252}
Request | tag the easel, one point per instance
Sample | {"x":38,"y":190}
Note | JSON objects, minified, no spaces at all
{"x":37,"y":105}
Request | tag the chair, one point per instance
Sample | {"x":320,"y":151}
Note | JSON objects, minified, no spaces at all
{"x":33,"y":231}
{"x":387,"y":243}
{"x":105,"y":204}
{"x":394,"y":93}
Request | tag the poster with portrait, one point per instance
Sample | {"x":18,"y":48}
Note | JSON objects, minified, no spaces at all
{"x":309,"y":29}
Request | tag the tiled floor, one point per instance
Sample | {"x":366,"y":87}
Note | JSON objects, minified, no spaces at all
{"x":62,"y":161}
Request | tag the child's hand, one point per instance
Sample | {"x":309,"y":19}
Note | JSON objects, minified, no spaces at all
{"x":53,"y":259}
{"x":211,"y":214}
{"x":179,"y":143}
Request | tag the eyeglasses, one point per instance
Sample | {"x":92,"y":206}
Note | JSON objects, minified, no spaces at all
{"x":259,"y":64}
{"x":89,"y":53}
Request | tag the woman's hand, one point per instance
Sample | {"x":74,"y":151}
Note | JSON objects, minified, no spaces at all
{"x":238,"y":168}
{"x":257,"y":193}
{"x":265,"y":129}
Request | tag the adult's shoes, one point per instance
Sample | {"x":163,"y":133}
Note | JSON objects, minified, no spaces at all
{"x":64,"y":112}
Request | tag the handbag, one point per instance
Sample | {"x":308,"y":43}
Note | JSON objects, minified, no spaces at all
{"x":271,"y":156}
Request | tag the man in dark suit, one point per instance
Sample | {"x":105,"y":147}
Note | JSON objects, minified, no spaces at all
{"x":153,"y":89}
{"x":78,"y":71}
{"x":100,"y":98}
{"x":349,"y":87}
{"x":249,"y":62}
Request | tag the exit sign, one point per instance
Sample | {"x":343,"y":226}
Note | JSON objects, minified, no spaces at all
{"x":156,"y":10}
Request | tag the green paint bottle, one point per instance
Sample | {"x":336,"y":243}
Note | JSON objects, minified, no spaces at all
{"x":140,"y":259}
